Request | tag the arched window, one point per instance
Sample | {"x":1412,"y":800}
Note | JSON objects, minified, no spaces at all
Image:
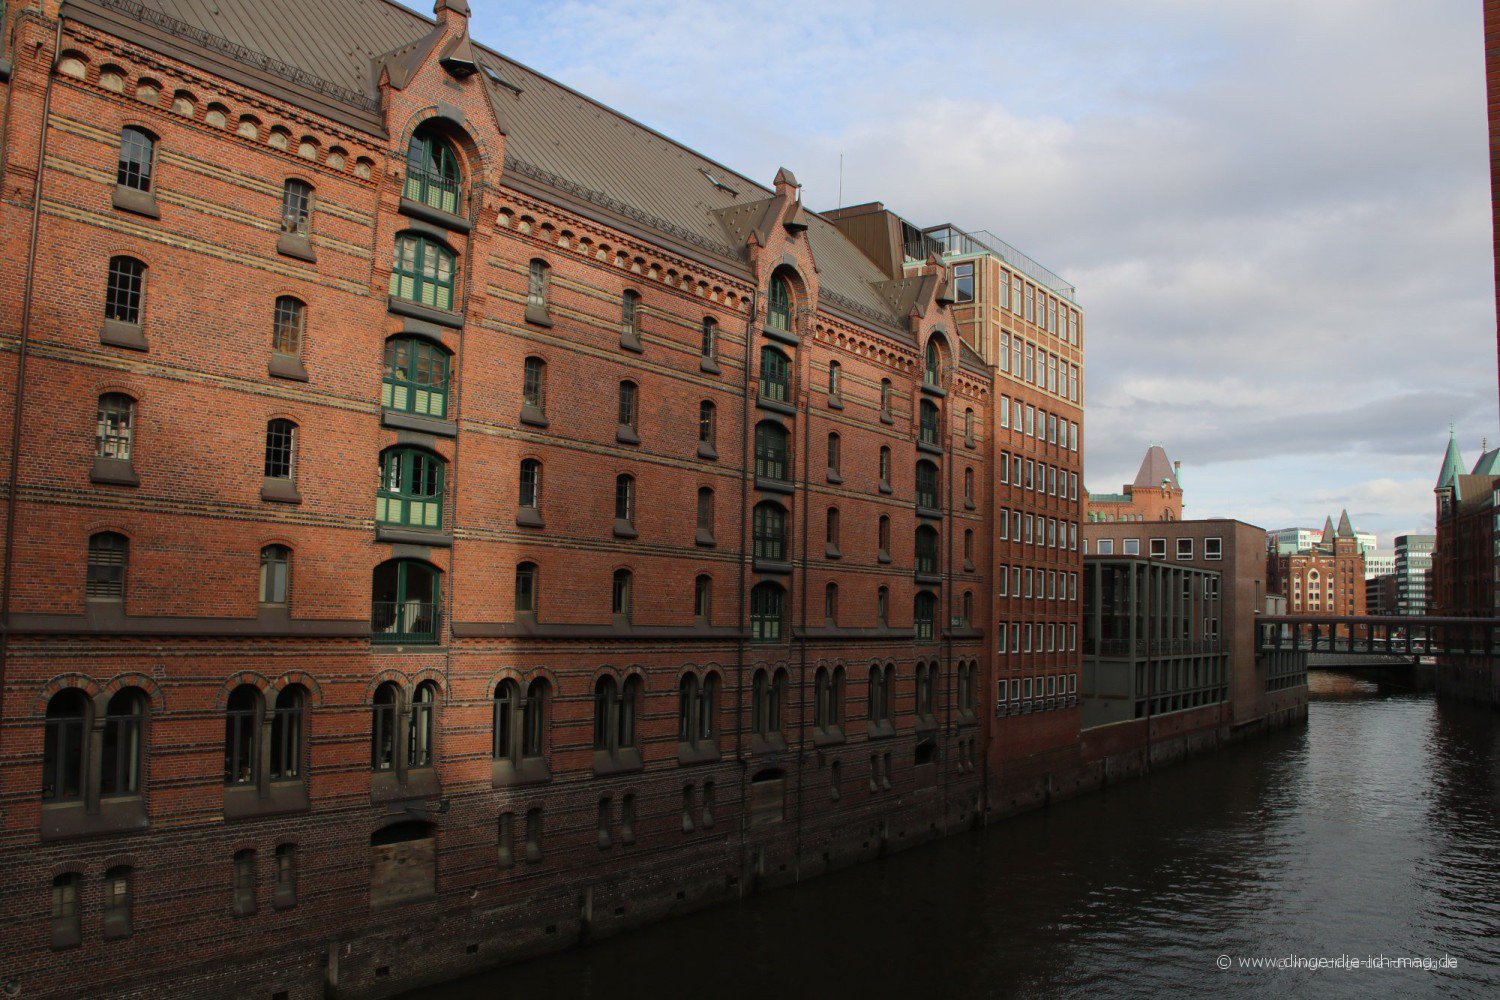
{"x":630,"y":320}
{"x":275,"y":575}
{"x":117,"y":902}
{"x":927,"y":485}
{"x":416,"y":378}
{"x":835,"y":380}
{"x":924,"y":613}
{"x":885,"y":399}
{"x":533,"y":718}
{"x":770,"y":451}
{"x":968,"y":544}
{"x":879,"y":706}
{"x":705,"y":534}
{"x":296,"y":208}
{"x":687,"y":708}
{"x":506,"y":708}
{"x":124,"y":290}
{"x":831,"y":531}
{"x":534,"y":387}
{"x":885,"y":467}
{"x":710,"y":344}
{"x":620,"y":596}
{"x":775,"y":375}
{"x":432,"y":173}
{"x":530,"y":483}
{"x":766,"y":612}
{"x":628,"y":410}
{"x":606,"y":697}
{"x":67,"y":914}
{"x":63,"y":740}
{"x":109,"y":555}
{"x":779,"y":304}
{"x":968,"y":607}
{"x":288,"y":733}
{"x":884,"y":536}
{"x":615,"y":708}
{"x":115,"y":429}
{"x":831,"y":603}
{"x":384,"y":713}
{"x":526,"y":588}
{"x":137,"y":147}
{"x":708,"y":707}
{"x":706,"y":422}
{"x":822,"y":698}
{"x":624,"y":502}
{"x":835,"y":454}
{"x":969,"y":486}
{"x":423,"y":272}
{"x":928,"y":431}
{"x":770,"y":531}
{"x":421,"y":727}
{"x":969,"y":424}
{"x":927,"y":549}
{"x":242,"y":735}
{"x":538,"y":284}
{"x":281,"y":449}
{"x":411,"y":488}
{"x":120,"y":761}
{"x":926,"y":690}
{"x":703,"y":599}
{"x":932,"y":368}
{"x":883,"y":606}
{"x":404,"y":603}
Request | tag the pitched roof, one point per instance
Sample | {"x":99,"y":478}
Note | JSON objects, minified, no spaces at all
{"x":1346,"y":530}
{"x":1453,"y":466}
{"x":1328,"y":533}
{"x":557,"y":137}
{"x":1488,"y":464}
{"x":1156,"y":468}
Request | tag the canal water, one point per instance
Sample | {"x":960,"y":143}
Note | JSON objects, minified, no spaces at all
{"x":1371,"y":833}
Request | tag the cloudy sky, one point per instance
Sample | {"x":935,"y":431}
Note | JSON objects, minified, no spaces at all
{"x":1276,"y":212}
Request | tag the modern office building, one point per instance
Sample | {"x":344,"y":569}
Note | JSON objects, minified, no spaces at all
{"x":1412,"y":573}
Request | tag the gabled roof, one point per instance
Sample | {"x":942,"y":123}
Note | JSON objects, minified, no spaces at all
{"x":1156,"y":468}
{"x":1328,"y":532}
{"x":1346,"y":530}
{"x":1488,"y":464}
{"x":558,"y":139}
{"x":1453,"y":467}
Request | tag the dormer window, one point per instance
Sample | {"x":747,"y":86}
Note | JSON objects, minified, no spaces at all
{"x":779,"y":305}
{"x":432,"y":174}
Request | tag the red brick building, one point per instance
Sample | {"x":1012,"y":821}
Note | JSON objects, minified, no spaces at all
{"x":1466,"y":564}
{"x":427,"y":488}
{"x":1155,"y":495}
{"x":1327,"y":579}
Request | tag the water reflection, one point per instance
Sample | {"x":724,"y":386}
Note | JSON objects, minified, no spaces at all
{"x":1371,"y":831}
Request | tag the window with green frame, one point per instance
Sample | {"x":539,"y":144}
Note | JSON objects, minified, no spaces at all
{"x":416,"y":378}
{"x":404,"y":602}
{"x":411,"y":489}
{"x":779,"y":304}
{"x":927,"y":431}
{"x":423,"y":272}
{"x":766,"y":612}
{"x":775,"y":375}
{"x":924,"y":612}
{"x":432,"y":174}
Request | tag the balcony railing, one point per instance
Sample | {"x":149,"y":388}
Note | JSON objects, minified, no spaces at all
{"x":393,"y":622}
{"x":955,"y":241}
{"x":435,"y":191}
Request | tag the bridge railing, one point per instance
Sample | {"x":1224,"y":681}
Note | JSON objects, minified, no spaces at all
{"x":1406,"y":635}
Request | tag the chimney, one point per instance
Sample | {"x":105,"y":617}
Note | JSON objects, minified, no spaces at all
{"x":452,"y":14}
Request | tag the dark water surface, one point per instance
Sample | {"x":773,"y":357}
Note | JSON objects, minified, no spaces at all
{"x":1374,"y":830}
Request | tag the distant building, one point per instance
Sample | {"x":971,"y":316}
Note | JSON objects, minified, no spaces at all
{"x":1155,"y":495}
{"x":1380,"y":594}
{"x":1324,"y":579}
{"x":1410,"y":574}
{"x":1379,"y":562}
{"x":1285,"y":541}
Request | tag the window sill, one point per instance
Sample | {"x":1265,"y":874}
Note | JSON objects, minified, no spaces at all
{"x":529,"y":517}
{"x":774,"y":485}
{"x":886,"y":418}
{"x":533,"y":416}
{"x":705,"y":538}
{"x":279,"y":491}
{"x":968,"y":565}
{"x":929,"y":447}
{"x":708,"y":366}
{"x":246,"y":801}
{"x":297,"y":246}
{"x":139,"y":202}
{"x":123,"y":814}
{"x":884,"y":557}
{"x":414,"y":536}
{"x":926,"y":724}
{"x":785,"y":336}
{"x":775,"y":406}
{"x":627,"y":435}
{"x":415,"y":310}
{"x":934,"y":390}
{"x":885,"y":488}
{"x":880,"y":730}
{"x":970,"y":443}
{"x":632,"y":344}
{"x":115,"y":333}
{"x":286,"y":366}
{"x":419,"y":782}
{"x":419,"y":210}
{"x":707,"y":451}
{"x":761,"y":743}
{"x":538,"y":316}
{"x":617,"y":761}
{"x":624,"y":529}
{"x":929,"y":513}
{"x":928,"y":578}
{"x":832,"y":552}
{"x":114,"y":472}
{"x":416,"y":422}
{"x":970,"y":505}
{"x":831,"y":736}
{"x":528,"y":771}
{"x":835,"y":478}
{"x":835,"y":402}
{"x":777,"y":566}
{"x":704,"y":752}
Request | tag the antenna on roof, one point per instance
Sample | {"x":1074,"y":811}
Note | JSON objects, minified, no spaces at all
{"x":841,"y":179}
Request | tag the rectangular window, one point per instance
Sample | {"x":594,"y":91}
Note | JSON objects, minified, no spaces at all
{"x":1158,"y":548}
{"x":1004,"y":521}
{"x":963,"y":282}
{"x":1004,"y":290}
{"x":1030,"y":364}
{"x":1213,"y":548}
{"x":1005,"y":352}
{"x":1106,"y":546}
{"x":1073,"y":383}
{"x":1132,"y":547}
{"x":1052,"y":315}
{"x":1030,"y":421}
{"x":1015,"y":356}
{"x":1030,"y":300}
{"x":1184,"y":548}
{"x":1004,"y":411}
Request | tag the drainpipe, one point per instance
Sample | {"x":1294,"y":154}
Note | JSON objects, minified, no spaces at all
{"x":747,"y":469}
{"x":805,"y":392}
{"x":18,"y":409}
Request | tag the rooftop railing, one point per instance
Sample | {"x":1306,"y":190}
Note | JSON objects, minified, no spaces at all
{"x":955,"y":241}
